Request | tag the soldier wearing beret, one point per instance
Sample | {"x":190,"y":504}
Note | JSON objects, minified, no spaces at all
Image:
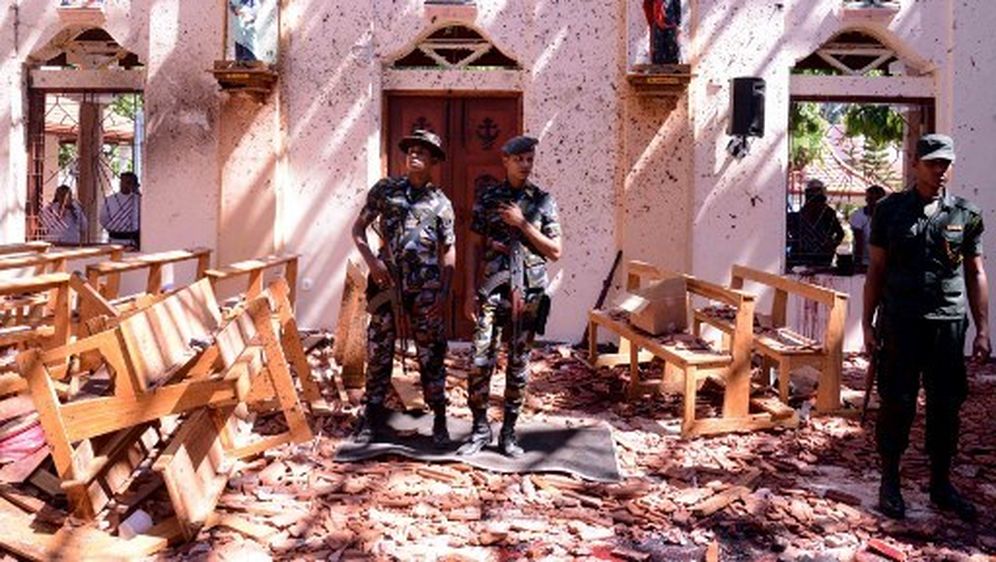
{"x":409,"y":278}
{"x":519,"y":233}
{"x":926,"y":257}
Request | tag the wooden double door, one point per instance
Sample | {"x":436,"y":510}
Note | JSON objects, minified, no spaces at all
{"x":473,"y":129}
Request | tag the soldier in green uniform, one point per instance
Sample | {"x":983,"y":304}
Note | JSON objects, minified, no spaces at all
{"x":519,"y":232}
{"x":409,"y":278}
{"x":926,"y":255}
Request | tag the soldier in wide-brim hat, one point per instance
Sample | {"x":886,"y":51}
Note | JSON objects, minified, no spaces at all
{"x":427,"y":139}
{"x":410,"y":277}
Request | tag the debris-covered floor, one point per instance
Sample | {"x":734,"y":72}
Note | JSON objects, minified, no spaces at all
{"x":805,"y":494}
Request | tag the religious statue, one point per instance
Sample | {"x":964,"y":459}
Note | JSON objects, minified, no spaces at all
{"x":252,"y":30}
{"x":664,"y":19}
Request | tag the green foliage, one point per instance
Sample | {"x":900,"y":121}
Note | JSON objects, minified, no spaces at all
{"x":879,"y":124}
{"x":807,"y":129}
{"x":127,"y":105}
{"x":67,"y":155}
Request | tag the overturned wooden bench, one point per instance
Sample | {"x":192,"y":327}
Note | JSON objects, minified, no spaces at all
{"x":692,"y":360}
{"x":783,"y":348}
{"x":175,"y":357}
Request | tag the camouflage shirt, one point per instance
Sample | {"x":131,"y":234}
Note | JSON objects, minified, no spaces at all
{"x":537,"y":206}
{"x":924,"y":254}
{"x":415,"y":225}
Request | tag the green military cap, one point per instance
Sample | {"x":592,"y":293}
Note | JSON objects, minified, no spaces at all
{"x":519,"y":144}
{"x":427,"y":139}
{"x":935,"y":147}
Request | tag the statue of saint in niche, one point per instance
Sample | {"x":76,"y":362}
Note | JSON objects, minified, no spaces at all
{"x":252,"y":31}
{"x":664,"y":19}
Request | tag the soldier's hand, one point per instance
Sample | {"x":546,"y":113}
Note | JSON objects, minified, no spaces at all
{"x":470,"y":309}
{"x":511,"y":215}
{"x":380,"y":273}
{"x":981,"y":349}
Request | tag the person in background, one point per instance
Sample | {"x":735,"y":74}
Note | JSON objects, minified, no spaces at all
{"x":818,"y":231}
{"x":63,"y":219}
{"x":121,"y":213}
{"x":861,"y":225}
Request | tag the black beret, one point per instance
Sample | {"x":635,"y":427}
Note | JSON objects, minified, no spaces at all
{"x":519,"y":144}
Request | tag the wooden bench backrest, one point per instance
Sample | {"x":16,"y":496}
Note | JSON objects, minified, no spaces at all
{"x":24,"y":248}
{"x":805,"y":290}
{"x":55,"y":261}
{"x":152,"y":262}
{"x":254,"y":271}
{"x":159,"y":338}
{"x":835,"y":301}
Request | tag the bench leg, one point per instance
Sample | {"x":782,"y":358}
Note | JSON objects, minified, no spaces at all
{"x":592,"y":343}
{"x":828,"y":390}
{"x":688,"y":416}
{"x":784,"y":374}
{"x":634,"y":373}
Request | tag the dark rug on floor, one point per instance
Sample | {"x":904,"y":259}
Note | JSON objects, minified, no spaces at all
{"x":586,"y":451}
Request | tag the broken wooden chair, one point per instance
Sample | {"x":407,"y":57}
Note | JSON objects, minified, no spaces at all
{"x":690,"y":360}
{"x":783,"y":348}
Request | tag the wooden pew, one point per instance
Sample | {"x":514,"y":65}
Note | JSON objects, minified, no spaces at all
{"x":17,"y":248}
{"x":171,"y":358}
{"x":154,"y":263}
{"x":784,"y":348}
{"x":57,"y":261}
{"x":253,"y":270}
{"x":692,"y":361}
{"x":32,"y":317}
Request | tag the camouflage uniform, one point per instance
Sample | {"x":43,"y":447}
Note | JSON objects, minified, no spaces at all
{"x":494,"y":304}
{"x":414,"y":258}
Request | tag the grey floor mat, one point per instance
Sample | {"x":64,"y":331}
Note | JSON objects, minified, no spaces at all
{"x":588,"y":452}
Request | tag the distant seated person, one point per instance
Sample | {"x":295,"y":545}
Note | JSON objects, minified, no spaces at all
{"x":814,"y":231}
{"x":121,"y":212}
{"x":861,"y":225}
{"x":63,"y":220}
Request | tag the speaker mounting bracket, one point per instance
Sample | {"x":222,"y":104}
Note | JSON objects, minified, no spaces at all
{"x":660,"y":80}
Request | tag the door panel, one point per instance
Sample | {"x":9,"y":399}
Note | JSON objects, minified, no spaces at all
{"x":473,"y":129}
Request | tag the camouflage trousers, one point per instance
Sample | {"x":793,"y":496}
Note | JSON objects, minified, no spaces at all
{"x":430,"y":344}
{"x":494,"y":315}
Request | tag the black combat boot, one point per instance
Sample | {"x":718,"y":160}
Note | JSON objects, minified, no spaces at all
{"x":480,"y":434}
{"x":371,"y":424}
{"x":943,"y":494}
{"x":890,"y":497}
{"x":440,"y":435}
{"x":508,"y":445}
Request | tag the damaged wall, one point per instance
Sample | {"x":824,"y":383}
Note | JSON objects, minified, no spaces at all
{"x":569,"y":100}
{"x":648,"y":175}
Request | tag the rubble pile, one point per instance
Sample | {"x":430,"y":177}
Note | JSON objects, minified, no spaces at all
{"x":805,"y":494}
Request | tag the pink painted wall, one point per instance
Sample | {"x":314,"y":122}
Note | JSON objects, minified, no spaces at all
{"x":648,"y":175}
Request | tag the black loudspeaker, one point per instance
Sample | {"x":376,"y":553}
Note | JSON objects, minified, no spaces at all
{"x":747,"y":114}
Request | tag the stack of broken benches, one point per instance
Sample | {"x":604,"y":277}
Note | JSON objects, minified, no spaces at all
{"x":156,"y":400}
